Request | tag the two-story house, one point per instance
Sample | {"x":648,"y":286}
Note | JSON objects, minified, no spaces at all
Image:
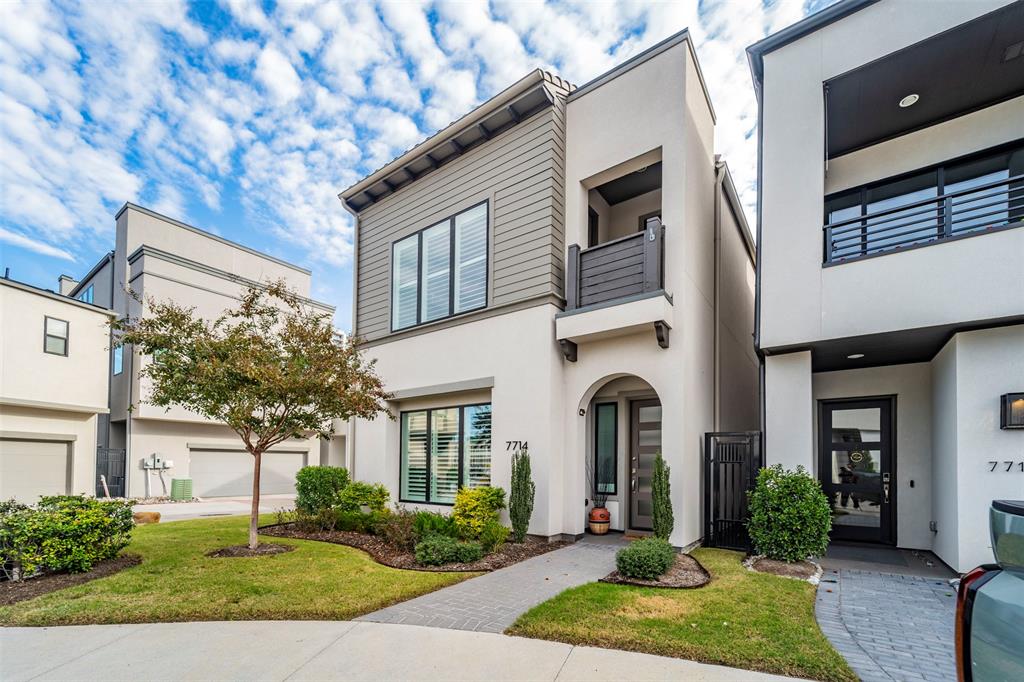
{"x":156,"y":257}
{"x":53,"y":391}
{"x":564,"y":268}
{"x":891,"y":265}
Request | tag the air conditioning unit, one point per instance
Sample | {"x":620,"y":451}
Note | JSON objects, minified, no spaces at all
{"x":181,"y":488}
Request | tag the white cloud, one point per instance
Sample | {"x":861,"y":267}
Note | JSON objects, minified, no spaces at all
{"x":278,"y":75}
{"x":24,"y":242}
{"x":235,"y":51}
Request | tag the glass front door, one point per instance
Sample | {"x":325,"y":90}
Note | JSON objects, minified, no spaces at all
{"x":857,"y":468}
{"x":645,"y":432}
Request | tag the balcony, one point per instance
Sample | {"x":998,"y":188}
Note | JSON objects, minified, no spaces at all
{"x":975,"y":210}
{"x":616,"y":288}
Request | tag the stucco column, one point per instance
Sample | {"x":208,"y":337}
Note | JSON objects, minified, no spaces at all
{"x":789,"y":410}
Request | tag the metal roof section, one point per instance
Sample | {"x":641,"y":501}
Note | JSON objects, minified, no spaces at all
{"x":646,"y":55}
{"x":210,"y":235}
{"x":528,"y":96}
{"x":47,"y":293}
{"x":806,"y":26}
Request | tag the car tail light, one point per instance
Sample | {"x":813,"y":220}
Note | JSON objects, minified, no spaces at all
{"x":969,"y":585}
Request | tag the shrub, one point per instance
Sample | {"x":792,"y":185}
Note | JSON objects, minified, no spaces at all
{"x":62,"y":533}
{"x":790,"y":517}
{"x":441,"y":549}
{"x":431,"y":523}
{"x":520,"y":498}
{"x":493,"y":536}
{"x":354,"y":521}
{"x":662,"y":520}
{"x":323,"y":519}
{"x":474,"y":507}
{"x":398,"y":529}
{"x":319,"y":487}
{"x":357,"y":495}
{"x":645,"y":559}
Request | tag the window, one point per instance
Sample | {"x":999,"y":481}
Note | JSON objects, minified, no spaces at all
{"x":442,"y":450}
{"x":118,"y":359}
{"x":606,"y":436}
{"x":55,"y":336}
{"x":86,"y":294}
{"x":440,"y":271}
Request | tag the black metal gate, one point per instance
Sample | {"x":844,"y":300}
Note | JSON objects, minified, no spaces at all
{"x":731,"y":463}
{"x":110,"y":463}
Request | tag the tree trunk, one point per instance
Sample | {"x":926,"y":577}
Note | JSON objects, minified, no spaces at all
{"x":254,"y":515}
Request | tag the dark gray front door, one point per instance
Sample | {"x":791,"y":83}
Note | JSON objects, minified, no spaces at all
{"x":645,"y":437}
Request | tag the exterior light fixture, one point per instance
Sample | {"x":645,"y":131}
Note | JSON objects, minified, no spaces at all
{"x":854,"y":356}
{"x":910,"y":100}
{"x":1011,"y":411}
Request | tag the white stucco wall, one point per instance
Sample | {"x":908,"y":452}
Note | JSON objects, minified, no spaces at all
{"x":77,"y":429}
{"x":945,"y":464}
{"x":789,"y":410}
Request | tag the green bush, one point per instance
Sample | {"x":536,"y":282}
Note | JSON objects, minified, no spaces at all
{"x":322,"y":520}
{"x":355,"y":521}
{"x":645,"y":559}
{"x":520,"y":498}
{"x":318,"y":487}
{"x":62,"y":533}
{"x":662,"y":520}
{"x":437,"y":550}
{"x":474,"y":507}
{"x":429,"y":523}
{"x":493,"y":536}
{"x":398,"y":529}
{"x":357,"y":495}
{"x":790,"y":517}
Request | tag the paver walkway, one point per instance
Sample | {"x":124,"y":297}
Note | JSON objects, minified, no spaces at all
{"x":889,"y":626}
{"x":493,"y":601}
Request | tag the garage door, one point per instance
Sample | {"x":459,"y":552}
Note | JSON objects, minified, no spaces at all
{"x":30,"y":468}
{"x":228,"y":473}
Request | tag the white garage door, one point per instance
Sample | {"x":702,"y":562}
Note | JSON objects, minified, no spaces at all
{"x":228,"y":473}
{"x":30,"y":468}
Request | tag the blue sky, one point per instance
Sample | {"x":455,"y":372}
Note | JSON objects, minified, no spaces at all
{"x":247,"y":118}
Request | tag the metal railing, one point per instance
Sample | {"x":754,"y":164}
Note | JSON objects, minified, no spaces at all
{"x":984,"y":208}
{"x":617,"y":269}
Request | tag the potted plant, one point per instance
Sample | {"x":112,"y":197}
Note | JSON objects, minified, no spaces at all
{"x":599,"y":518}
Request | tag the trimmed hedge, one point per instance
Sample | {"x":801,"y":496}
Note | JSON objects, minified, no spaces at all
{"x":475,"y":507}
{"x":319,"y":487}
{"x":645,"y":559}
{"x":437,"y":550}
{"x":790,"y":516}
{"x":357,"y":495}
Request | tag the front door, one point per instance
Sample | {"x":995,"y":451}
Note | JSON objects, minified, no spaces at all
{"x":857,"y":467}
{"x":645,"y":443}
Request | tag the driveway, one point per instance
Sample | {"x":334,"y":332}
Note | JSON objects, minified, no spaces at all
{"x":312,"y":650}
{"x":217,"y":506}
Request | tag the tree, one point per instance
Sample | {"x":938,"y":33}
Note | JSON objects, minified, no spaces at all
{"x":662,"y":519}
{"x":271,"y":368}
{"x":520,"y":500}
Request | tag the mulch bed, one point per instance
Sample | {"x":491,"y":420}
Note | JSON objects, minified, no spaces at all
{"x":685,"y":573}
{"x":13,"y":592}
{"x":802,"y":570}
{"x":396,"y":557}
{"x":262,"y":549}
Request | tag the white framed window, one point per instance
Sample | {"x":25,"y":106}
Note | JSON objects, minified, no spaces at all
{"x":55,"y":336}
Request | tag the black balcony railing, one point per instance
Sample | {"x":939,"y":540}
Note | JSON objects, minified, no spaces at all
{"x":983,"y":208}
{"x":624,"y":267}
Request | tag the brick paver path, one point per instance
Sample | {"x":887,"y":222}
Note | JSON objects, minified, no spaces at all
{"x":493,"y":601}
{"x":889,"y":627}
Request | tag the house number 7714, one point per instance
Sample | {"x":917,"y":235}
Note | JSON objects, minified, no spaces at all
{"x":515,"y":445}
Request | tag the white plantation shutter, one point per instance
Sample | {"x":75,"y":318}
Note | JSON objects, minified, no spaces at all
{"x":435,"y":282}
{"x":471,"y":259}
{"x":444,"y":455}
{"x":414,"y":457}
{"x":476,"y":466}
{"x":404,"y":282}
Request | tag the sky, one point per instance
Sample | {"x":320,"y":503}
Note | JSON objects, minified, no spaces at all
{"x":247,"y":119}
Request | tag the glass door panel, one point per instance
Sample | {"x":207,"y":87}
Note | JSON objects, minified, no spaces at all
{"x":645,"y":443}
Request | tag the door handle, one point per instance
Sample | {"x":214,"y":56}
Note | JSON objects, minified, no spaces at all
{"x":885,"y":489}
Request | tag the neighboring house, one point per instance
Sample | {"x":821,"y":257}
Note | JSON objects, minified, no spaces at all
{"x":53,"y":387}
{"x":567,"y":268}
{"x":891,"y":253}
{"x":161,"y":258}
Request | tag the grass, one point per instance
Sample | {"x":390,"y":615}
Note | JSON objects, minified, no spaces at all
{"x":740,"y":619}
{"x":177,"y":582}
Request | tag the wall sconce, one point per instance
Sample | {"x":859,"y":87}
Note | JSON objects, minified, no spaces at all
{"x":1011,"y":411}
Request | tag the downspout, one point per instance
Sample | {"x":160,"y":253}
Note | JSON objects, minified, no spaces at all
{"x":716,"y":393}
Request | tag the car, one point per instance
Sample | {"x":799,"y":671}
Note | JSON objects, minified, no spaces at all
{"x":990,"y":604}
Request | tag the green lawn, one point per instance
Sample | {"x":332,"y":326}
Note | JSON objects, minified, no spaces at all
{"x":176,"y":582}
{"x":741,"y":619}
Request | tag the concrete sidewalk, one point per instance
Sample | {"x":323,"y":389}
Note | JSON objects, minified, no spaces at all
{"x":330,"y":650}
{"x":217,"y":506}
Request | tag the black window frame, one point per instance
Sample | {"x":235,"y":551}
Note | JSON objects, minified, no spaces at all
{"x":615,"y":437}
{"x":418,"y":234}
{"x":90,"y":290}
{"x":462,"y":448}
{"x":66,"y":338}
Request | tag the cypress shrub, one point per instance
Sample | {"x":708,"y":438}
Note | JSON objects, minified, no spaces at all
{"x":661,"y":499}
{"x":520,"y":503}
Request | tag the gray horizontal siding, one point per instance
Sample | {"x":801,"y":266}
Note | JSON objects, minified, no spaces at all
{"x":521,"y":174}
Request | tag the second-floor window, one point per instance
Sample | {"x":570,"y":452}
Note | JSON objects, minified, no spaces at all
{"x":55,"y":336}
{"x":440,"y":271}
{"x":86,"y":295}
{"x":118,"y":359}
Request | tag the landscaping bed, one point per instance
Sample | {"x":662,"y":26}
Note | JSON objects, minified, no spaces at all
{"x":12,"y":592}
{"x":396,"y":557}
{"x":685,"y":572}
{"x":801,"y":570}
